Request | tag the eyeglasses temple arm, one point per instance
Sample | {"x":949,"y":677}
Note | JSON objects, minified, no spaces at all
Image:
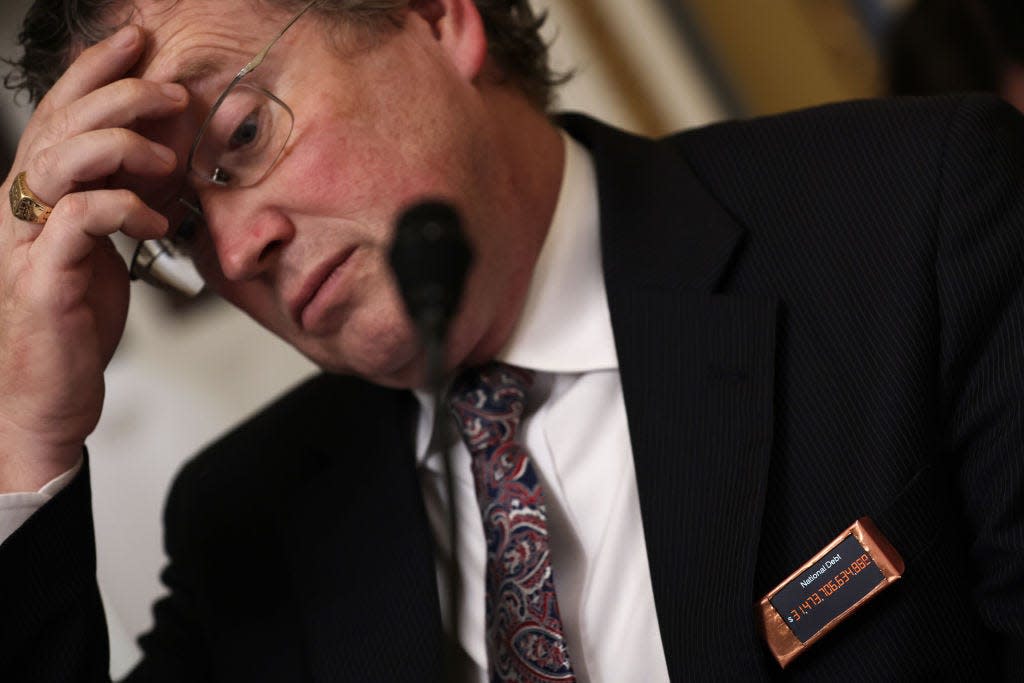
{"x":258,"y":59}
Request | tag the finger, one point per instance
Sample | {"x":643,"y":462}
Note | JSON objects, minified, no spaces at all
{"x":118,"y":105}
{"x":80,"y":219}
{"x":98,"y":65}
{"x":92,"y":156}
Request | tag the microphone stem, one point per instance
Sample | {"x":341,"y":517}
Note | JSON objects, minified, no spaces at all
{"x":442,"y":430}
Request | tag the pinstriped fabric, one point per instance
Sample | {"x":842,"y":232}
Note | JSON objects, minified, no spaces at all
{"x":984,"y":401}
{"x":901,"y":345}
{"x":48,"y":591}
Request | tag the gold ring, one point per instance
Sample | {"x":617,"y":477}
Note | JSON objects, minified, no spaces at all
{"x":25,"y":205}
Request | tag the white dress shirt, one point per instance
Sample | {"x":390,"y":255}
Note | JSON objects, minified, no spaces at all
{"x":16,"y":508}
{"x":576,"y":432}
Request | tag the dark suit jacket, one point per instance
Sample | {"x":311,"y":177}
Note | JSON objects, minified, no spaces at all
{"x":818,"y":317}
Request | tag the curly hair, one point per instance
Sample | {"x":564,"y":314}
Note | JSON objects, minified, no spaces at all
{"x":53,"y":31}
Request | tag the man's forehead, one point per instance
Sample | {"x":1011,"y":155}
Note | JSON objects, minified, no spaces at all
{"x":191,"y":41}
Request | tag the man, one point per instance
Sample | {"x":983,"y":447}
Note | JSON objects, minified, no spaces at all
{"x":743,"y":338}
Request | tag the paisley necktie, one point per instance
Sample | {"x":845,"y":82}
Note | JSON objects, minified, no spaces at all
{"x":525,"y":641}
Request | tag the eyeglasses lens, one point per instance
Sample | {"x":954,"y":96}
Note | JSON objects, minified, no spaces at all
{"x":243,"y":138}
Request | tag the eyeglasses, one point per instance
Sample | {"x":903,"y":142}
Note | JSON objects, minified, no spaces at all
{"x":237,"y":146}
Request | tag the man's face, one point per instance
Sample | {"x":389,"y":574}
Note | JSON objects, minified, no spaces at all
{"x":377,"y":127}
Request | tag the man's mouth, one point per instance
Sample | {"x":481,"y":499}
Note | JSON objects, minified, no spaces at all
{"x":304,"y":306}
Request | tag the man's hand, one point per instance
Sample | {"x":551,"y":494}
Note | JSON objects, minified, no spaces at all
{"x":63,"y":287}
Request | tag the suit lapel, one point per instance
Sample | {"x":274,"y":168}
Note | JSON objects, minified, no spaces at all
{"x":362,"y":558}
{"x":697,"y":376}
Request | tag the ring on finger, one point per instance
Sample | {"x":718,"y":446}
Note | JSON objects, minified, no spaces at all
{"x":25,"y":205}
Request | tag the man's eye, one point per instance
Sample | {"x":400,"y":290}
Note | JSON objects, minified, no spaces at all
{"x":246,"y":133}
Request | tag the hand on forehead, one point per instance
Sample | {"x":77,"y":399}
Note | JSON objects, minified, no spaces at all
{"x":202,"y":44}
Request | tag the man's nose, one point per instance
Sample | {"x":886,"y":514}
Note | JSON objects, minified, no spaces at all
{"x":248,"y":243}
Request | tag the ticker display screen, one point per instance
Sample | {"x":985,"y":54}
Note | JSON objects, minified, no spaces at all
{"x":845,"y":575}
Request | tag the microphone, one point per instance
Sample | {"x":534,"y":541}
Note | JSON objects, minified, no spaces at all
{"x":430,"y":257}
{"x":159,"y":263}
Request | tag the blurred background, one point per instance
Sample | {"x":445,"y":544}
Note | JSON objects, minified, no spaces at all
{"x":186,"y":371}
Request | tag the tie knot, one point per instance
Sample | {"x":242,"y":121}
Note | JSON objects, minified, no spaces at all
{"x":488,"y":403}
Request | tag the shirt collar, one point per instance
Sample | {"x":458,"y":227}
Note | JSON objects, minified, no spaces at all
{"x":565,"y":326}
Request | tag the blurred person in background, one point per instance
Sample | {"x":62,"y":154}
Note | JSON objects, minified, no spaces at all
{"x":949,"y":46}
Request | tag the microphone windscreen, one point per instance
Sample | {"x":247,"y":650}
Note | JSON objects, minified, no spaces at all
{"x":430,"y":257}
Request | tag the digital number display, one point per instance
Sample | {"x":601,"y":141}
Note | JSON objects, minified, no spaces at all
{"x":843,"y":576}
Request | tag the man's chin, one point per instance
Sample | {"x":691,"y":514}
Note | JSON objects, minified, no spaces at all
{"x":403,"y":368}
{"x":410,"y":374}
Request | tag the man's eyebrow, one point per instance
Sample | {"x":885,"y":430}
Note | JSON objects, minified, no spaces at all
{"x":197,"y":70}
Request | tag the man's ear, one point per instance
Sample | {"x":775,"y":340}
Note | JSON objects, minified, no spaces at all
{"x":457,"y":26}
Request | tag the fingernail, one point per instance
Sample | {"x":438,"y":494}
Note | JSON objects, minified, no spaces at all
{"x":126,"y":37}
{"x":174,"y":91}
{"x":166,"y":155}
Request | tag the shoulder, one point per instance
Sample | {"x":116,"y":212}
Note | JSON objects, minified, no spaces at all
{"x":295,"y":437}
{"x":905,"y":122}
{"x":879,"y":154}
{"x":874,"y":177}
{"x":895,"y":150}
